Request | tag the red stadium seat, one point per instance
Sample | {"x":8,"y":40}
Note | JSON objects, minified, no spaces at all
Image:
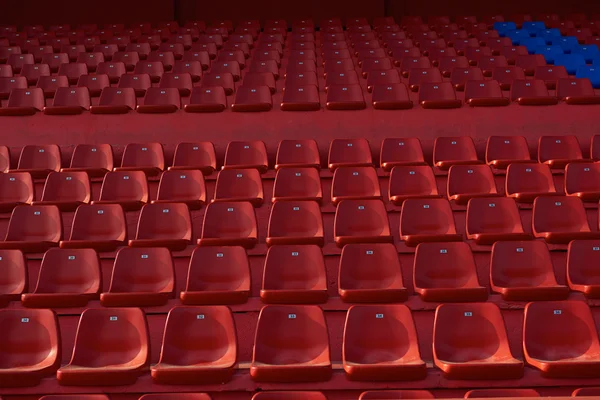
{"x":23,"y":102}
{"x":466,"y":182}
{"x":507,"y":75}
{"x":297,"y":154}
{"x":14,"y":279}
{"x":139,"y":82}
{"x":294,"y":274}
{"x":165,"y":58}
{"x":427,"y":220}
{"x":409,"y":62}
{"x":207,"y":99}
{"x":438,"y":95}
{"x":470,"y":342}
{"x":90,"y":60}
{"x":177,"y":49}
{"x":460,"y":76}
{"x":295,"y":223}
{"x":257,"y":79}
{"x":392,"y":96}
{"x":512,"y":53}
{"x":205,"y":354}
{"x":361,"y":221}
{"x":297,"y":184}
{"x":560,"y":339}
{"x":147,"y":157}
{"x":140,"y":278}
{"x":530,"y":62}
{"x":117,"y":356}
{"x":7,"y":51}
{"x":95,"y":160}
{"x":8,"y":84}
{"x":39,"y":160}
{"x":412,"y":182}
{"x":164,"y":225}
{"x":127,"y":188}
{"x":38,"y":51}
{"x":291,"y":345}
{"x":200,"y":50}
{"x":239,"y":185}
{"x":67,"y":278}
{"x":383,"y":78}
{"x":395,"y":394}
{"x":454,"y":150}
{"x":229,"y":67}
{"x":252,"y":99}
{"x":489,"y":63}
{"x":478,"y":56}
{"x":217,"y":275}
{"x":484,"y":94}
{"x":575,"y":91}
{"x":401,"y":152}
{"x":72,"y":52}
{"x":30,"y":346}
{"x":531,"y":92}
{"x":493,"y":219}
{"x":233,"y":56}
{"x":550,"y":74}
{"x":182,"y":82}
{"x":73,"y":71}
{"x":115,"y":101}
{"x":154,"y":69}
{"x":491,"y":393}
{"x":4,"y":159}
{"x":581,"y":270}
{"x":192,"y":67}
{"x":16,"y":188}
{"x":349,"y":153}
{"x":501,"y":151}
{"x":419,"y":76}
{"x":182,"y":186}
{"x":246,"y":154}
{"x":526,"y":181}
{"x":100,"y":227}
{"x":229,"y":224}
{"x":301,"y":98}
{"x":560,"y":219}
{"x":558,"y":151}
{"x":107,"y":50}
{"x":33,"y":72}
{"x":355,"y":183}
{"x":523,"y":271}
{"x":370,"y":273}
{"x":94,"y":83}
{"x":33,"y":229}
{"x":370,"y":354}
{"x":264,"y":66}
{"x":197,"y":155}
{"x":66,"y":190}
{"x":587,"y":391}
{"x":345,"y":97}
{"x":69,"y":101}
{"x":581,"y":180}
{"x":288,"y":395}
{"x":160,"y":100}
{"x":447,"y":64}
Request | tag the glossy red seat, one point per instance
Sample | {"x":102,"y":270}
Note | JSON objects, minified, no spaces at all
{"x":401,"y":152}
{"x":72,"y":71}
{"x":90,"y":60}
{"x":484,"y":94}
{"x":291,"y":345}
{"x":115,"y":101}
{"x":526,"y":181}
{"x":558,"y":151}
{"x":294,"y":274}
{"x":300,"y":98}
{"x":289,"y":395}
{"x":93,"y":159}
{"x":551,"y":74}
{"x":383,"y":78}
{"x":127,"y":188}
{"x":466,"y":182}
{"x":111,"y":348}
{"x":361,"y":221}
{"x":154,"y":69}
{"x":492,"y":393}
{"x":345,"y":97}
{"x":575,"y":91}
{"x":586,"y":391}
{"x":355,"y":183}
{"x":446,"y":272}
{"x":16,"y":188}
{"x":560,"y":339}
{"x":460,"y":76}
{"x":457,"y":150}
{"x":160,"y":101}
{"x":29,"y":346}
{"x":100,"y":227}
{"x":195,"y":155}
{"x":67,"y":278}
{"x":470,"y":342}
{"x":182,"y":186}
{"x":582,"y":276}
{"x":581,"y":180}
{"x":507,"y":75}
{"x":420,"y":76}
{"x":39,"y":160}
{"x":448,"y":63}
{"x":560,"y":219}
{"x":246,"y":154}
{"x":207,"y":353}
{"x":393,"y":96}
{"x":217,"y":275}
{"x":493,"y":219}
{"x":369,"y":354}
{"x":298,"y":154}
{"x":427,"y":220}
{"x":14,"y":279}
{"x":395,"y":394}
{"x":140,"y":278}
{"x":239,"y":185}
{"x":531,"y":92}
{"x":181,"y":81}
{"x":501,"y":151}
{"x":140,"y":83}
{"x":147,"y":157}
{"x":297,"y":184}
{"x":33,"y":72}
{"x":488,"y":63}
{"x":94,"y":83}
{"x":256,"y":79}
{"x":23,"y":102}
{"x":191,"y":67}
{"x":529,"y":62}
{"x":512,"y":53}
{"x":69,"y":101}
{"x":33,"y":229}
{"x":295,"y":222}
{"x":349,"y":153}
{"x":407,"y":182}
{"x":229,"y":224}
{"x":207,"y":99}
{"x":66,"y":190}
{"x":523,"y":271}
{"x":113,"y":70}
{"x":164,"y":225}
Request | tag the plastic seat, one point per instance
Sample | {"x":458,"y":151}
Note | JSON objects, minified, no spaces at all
{"x":391,"y":97}
{"x":182,"y":82}
{"x":67,"y":278}
{"x":530,"y":62}
{"x":345,"y":97}
{"x":575,"y":91}
{"x":412,"y":182}
{"x":207,"y":99}
{"x":147,"y":157}
{"x":491,"y":393}
{"x":127,"y":188}
{"x":233,"y":56}
{"x":37,"y":51}
{"x":560,"y":225}
{"x":140,"y":278}
{"x":176,"y":49}
{"x":107,"y":50}
{"x":94,"y":83}
{"x":550,"y":75}
{"x":447,"y":64}
{"x":291,"y":345}
{"x":30,"y":346}
{"x":493,"y":219}
{"x":100,"y":227}
{"x":582,"y":276}
{"x":478,"y":56}
{"x":23,"y":102}
{"x":288,"y":395}
{"x":252,"y":99}
{"x":115,"y":101}
{"x":531,"y":92}
{"x":571,"y":62}
{"x":507,"y":75}
{"x":525,"y":182}
{"x":192,"y":67}
{"x":14,"y":279}
{"x":523,"y":271}
{"x":73,"y":71}
{"x":246,"y":154}
{"x":294,"y":274}
{"x":560,"y":339}
{"x":591,"y":73}
{"x":586,"y":391}
{"x":229,"y":224}
{"x":369,"y":354}
{"x":66,"y":190}
{"x":446,"y":272}
{"x":297,"y":184}
{"x":395,"y":394}
{"x":297,"y":154}
{"x":409,"y":62}
{"x":355,"y":183}
{"x":361,"y":221}
{"x":460,"y":76}
{"x":470,"y":342}
{"x":202,"y":50}
{"x":466,"y":182}
{"x":80,"y":396}
{"x":95,"y":160}
{"x":154,"y":69}
{"x":49,"y":84}
{"x":427,"y":220}
{"x":558,"y":151}
{"x":454,"y":150}
{"x":229,"y":67}
{"x":16,"y":188}
{"x":239,"y":185}
{"x":164,"y":225}
{"x":385,"y":77}
{"x":33,"y":229}
{"x":182,"y":186}
{"x":301,"y":98}
{"x":140,"y":83}
{"x":501,"y":151}
{"x":90,"y":60}
{"x":549,"y":53}
{"x":484,"y":94}
{"x":419,"y":76}
{"x":111,"y":348}
{"x":401,"y":152}
{"x":295,"y":223}
{"x":438,"y":95}
{"x":255,"y":79}
{"x":160,"y":101}
{"x":349,"y":153}
{"x":581,"y":180}
{"x":69,"y":101}
{"x":33,"y":72}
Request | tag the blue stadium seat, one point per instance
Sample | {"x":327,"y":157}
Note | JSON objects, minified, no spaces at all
{"x":588,"y":51}
{"x":571,"y":62}
{"x":566,"y":42}
{"x":533,"y":27}
{"x":504,"y":27}
{"x":518,"y":36}
{"x":592,"y":73}
{"x":533,"y":43}
{"x":549,"y":34}
{"x":549,"y":52}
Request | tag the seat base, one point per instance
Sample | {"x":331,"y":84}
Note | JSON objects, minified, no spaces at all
{"x":539,"y":293}
{"x":293,"y":296}
{"x":341,"y":241}
{"x":537,"y":101}
{"x":28,"y":247}
{"x":453,"y":295}
{"x":398,"y":295}
{"x":582,"y":100}
{"x":212,"y":297}
{"x":290,"y":373}
{"x":414,"y":240}
{"x":566,"y":237}
{"x":573,"y":369}
{"x":346,"y":105}
{"x":18,"y":111}
{"x":62,"y":205}
{"x":101,"y":376}
{"x":157,"y":109}
{"x":110,"y":109}
{"x":489,"y":102}
{"x":290,"y":106}
{"x":63,"y":110}
{"x":511,"y":369}
{"x":488,"y":239}
{"x":284,"y":240}
{"x":56,"y":300}
{"x":98,"y":245}
{"x":134,"y":299}
{"x":441,"y":104}
{"x":171,"y":244}
{"x":399,"y":199}
{"x":387,"y":371}
{"x":246,"y":242}
{"x":168,"y":374}
{"x":393,"y":105}
{"x":205,"y":108}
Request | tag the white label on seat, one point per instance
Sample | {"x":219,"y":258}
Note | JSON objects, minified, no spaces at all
{"x":296,"y":208}
{"x":468,"y":314}
{"x":165,"y":210}
{"x":411,"y":172}
{"x":558,"y":141}
{"x":298,"y":145}
{"x":492,"y":205}
{"x":126,"y":177}
{"x":369,"y":252}
{"x":557,"y":203}
{"x":41,"y":150}
{"x":11,"y":179}
{"x":355,"y":174}
{"x":239,"y":176}
{"x":425,"y":205}
{"x":349,"y":144}
{"x":200,"y":316}
{"x":469,"y":171}
{"x":378,"y":316}
{"x":246,"y":147}
{"x":520,"y":249}
{"x":298,"y":174}
{"x":182,"y":176}
{"x":295,"y":254}
{"x":71,"y":258}
{"x":24,"y":319}
{"x":144,"y":256}
{"x":557,"y":312}
{"x":291,"y":316}
{"x":361,"y":207}
{"x":586,"y":169}
{"x":527,"y":169}
{"x":443,"y":251}
{"x":144,"y":149}
{"x":113,"y":318}
{"x":37,"y":213}
{"x":230,"y":209}
{"x":596,"y":248}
